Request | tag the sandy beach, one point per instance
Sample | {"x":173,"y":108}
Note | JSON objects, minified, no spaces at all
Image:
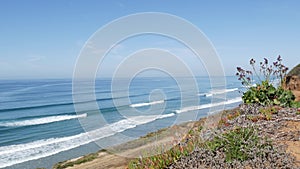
{"x":119,"y":156}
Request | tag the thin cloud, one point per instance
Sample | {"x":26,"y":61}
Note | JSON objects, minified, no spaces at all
{"x":32,"y":59}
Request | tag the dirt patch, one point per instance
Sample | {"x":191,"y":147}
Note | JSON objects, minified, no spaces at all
{"x":291,"y":126}
{"x":293,"y":146}
{"x":104,"y":160}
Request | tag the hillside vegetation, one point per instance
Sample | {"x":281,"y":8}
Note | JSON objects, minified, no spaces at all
{"x":295,"y":71}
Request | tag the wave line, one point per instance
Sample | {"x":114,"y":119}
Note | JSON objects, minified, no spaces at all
{"x":39,"y":121}
{"x":146,"y":104}
{"x":216,"y":92}
{"x":15,"y":154}
{"x":204,"y":106}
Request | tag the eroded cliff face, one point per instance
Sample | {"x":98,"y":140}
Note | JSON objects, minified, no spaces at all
{"x":293,"y":83}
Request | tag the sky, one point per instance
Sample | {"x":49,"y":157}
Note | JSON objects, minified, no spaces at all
{"x":42,"y":39}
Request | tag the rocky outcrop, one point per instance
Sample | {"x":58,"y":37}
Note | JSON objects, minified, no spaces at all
{"x":292,"y":81}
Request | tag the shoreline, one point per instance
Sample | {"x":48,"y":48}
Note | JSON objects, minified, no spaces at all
{"x":107,"y":158}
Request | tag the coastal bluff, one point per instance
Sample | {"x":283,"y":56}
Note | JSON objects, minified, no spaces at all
{"x":292,"y":81}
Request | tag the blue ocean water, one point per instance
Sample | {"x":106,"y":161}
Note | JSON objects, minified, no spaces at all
{"x":40,"y":127}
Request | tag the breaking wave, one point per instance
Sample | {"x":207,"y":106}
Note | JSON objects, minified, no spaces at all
{"x":216,"y":92}
{"x":146,"y":104}
{"x":204,"y":106}
{"x":14,"y":154}
{"x":39,"y":121}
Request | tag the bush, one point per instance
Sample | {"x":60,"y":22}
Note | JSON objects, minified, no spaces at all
{"x":264,"y":93}
{"x":238,"y":144}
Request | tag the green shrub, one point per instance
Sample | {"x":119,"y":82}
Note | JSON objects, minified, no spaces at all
{"x":238,"y":144}
{"x":296,"y":104}
{"x":267,"y":112}
{"x":264,"y":93}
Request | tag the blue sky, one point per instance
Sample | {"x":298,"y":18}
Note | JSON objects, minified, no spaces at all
{"x":42,"y":39}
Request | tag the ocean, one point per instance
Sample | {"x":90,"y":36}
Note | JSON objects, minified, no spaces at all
{"x":40,"y":127}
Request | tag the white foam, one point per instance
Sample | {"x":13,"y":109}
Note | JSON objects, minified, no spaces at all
{"x":43,"y":120}
{"x":165,"y":115}
{"x":147,"y":104}
{"x":204,"y":106}
{"x":14,"y":154}
{"x":251,"y":85}
{"x":216,"y":92}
